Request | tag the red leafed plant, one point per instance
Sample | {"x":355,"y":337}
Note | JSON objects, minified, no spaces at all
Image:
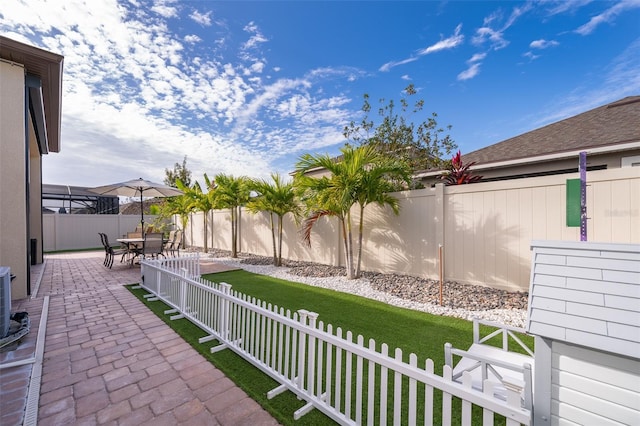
{"x":458,"y":173}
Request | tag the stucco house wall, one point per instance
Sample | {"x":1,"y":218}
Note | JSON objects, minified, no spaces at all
{"x":30,"y":105}
{"x":13,"y":201}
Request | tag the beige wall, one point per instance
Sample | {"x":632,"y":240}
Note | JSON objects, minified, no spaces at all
{"x":486,"y":228}
{"x":35,"y":194}
{"x":80,"y":231}
{"x":13,"y":203}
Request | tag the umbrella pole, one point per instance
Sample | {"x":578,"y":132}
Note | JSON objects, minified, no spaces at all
{"x":141,"y":212}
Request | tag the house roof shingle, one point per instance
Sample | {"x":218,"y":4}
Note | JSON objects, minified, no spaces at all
{"x":609,"y":125}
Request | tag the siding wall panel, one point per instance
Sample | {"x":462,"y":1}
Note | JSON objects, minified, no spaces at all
{"x":594,"y":387}
{"x":592,"y":368}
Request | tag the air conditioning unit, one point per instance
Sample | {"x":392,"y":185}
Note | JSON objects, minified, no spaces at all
{"x":5,"y":300}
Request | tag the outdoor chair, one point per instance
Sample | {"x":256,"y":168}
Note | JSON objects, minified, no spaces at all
{"x":110,"y":252}
{"x":153,"y":245}
{"x":166,"y":247}
{"x":175,"y":245}
{"x":104,"y":245}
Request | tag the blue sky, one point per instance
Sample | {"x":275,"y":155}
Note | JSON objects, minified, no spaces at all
{"x":245,"y":88}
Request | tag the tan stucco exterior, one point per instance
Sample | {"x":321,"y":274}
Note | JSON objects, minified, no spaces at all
{"x":30,"y":90}
{"x":13,"y":201}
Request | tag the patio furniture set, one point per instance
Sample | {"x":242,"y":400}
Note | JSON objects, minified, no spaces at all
{"x":139,"y":244}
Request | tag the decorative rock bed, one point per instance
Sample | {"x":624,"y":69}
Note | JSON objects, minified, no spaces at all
{"x":459,"y":300}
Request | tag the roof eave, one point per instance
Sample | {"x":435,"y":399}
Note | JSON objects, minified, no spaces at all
{"x":542,"y":158}
{"x":48,"y":67}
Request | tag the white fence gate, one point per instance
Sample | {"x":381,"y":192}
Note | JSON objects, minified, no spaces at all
{"x":350,"y":381}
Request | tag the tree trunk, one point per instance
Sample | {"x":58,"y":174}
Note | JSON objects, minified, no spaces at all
{"x":360,"y":228}
{"x":352,"y":271}
{"x":279,"y":240}
{"x":273,"y":239}
{"x":234,"y":250}
{"x":206,"y":237}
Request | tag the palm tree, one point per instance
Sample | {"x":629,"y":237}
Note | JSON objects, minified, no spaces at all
{"x":182,"y":206}
{"x":362,"y":176}
{"x":231,"y":193}
{"x":277,"y":198}
{"x":201,"y":201}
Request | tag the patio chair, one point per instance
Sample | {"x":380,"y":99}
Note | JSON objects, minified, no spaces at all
{"x":104,"y":245}
{"x":166,"y":247}
{"x":110,"y":252}
{"x":175,"y":245}
{"x":153,"y":245}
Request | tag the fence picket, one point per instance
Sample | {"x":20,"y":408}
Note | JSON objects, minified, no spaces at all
{"x":338,"y":381}
{"x":280,"y":343}
{"x":311,"y":357}
{"x":360,"y":342}
{"x":466,"y":405}
{"x":347,"y":376}
{"x":317,"y":364}
{"x":328,"y":369}
{"x":383,"y":386}
{"x":397,"y":391}
{"x":446,"y":398}
{"x":413,"y":397}
{"x":319,"y":372}
{"x":428,"y":395}
{"x":371,"y":381}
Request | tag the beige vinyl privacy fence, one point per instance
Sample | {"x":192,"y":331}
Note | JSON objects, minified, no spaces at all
{"x":80,"y":231}
{"x":485,"y":229}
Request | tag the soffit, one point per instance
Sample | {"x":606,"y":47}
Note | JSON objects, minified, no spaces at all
{"x":48,"y":67}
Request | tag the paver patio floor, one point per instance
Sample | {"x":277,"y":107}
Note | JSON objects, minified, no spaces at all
{"x":109,"y":360}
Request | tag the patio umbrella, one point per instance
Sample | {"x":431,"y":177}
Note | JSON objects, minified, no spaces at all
{"x":138,"y":188}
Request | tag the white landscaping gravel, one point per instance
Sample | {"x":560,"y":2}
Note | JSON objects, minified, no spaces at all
{"x":362,"y":287}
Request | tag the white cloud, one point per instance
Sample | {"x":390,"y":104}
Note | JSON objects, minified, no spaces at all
{"x":543,"y":44}
{"x":485,"y":34}
{"x":164,"y":10}
{"x":389,"y":65}
{"x":192,"y":39}
{"x":563,"y":6}
{"x":530,"y":55}
{"x":449,"y":43}
{"x":494,"y":35}
{"x":477,"y":57}
{"x":256,"y":36}
{"x":474,"y":67}
{"x":203,"y":19}
{"x":470,"y":72}
{"x":406,"y":77}
{"x":607,"y":16}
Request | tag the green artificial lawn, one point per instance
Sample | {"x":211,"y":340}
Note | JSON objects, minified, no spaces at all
{"x":412,"y":331}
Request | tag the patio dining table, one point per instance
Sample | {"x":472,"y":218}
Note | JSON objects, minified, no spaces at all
{"x":135,"y":245}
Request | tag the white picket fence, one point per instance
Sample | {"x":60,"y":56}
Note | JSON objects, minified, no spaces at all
{"x":350,"y":381}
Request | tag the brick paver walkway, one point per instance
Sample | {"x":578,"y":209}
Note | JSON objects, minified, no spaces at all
{"x":108,"y":360}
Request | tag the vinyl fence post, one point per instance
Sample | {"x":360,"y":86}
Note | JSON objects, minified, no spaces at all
{"x":183,"y":291}
{"x":313,"y":316}
{"x":302,"y":343}
{"x":225,"y":312}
